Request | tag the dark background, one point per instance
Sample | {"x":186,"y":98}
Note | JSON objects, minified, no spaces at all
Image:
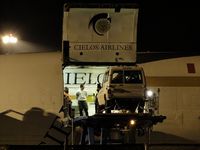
{"x":166,"y":28}
{"x":35,"y":21}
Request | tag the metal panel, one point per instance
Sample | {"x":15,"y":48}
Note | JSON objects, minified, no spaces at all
{"x":98,"y":35}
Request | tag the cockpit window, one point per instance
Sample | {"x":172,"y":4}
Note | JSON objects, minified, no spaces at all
{"x":127,"y":76}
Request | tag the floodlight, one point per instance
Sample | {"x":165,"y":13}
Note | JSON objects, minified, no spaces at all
{"x":9,"y":39}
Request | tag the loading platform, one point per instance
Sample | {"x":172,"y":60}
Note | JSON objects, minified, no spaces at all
{"x":125,"y":124}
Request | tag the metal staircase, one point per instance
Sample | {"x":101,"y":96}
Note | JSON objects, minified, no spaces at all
{"x":57,"y":134}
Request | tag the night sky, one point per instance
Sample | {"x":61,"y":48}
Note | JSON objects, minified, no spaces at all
{"x":169,"y":26}
{"x":165,"y":26}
